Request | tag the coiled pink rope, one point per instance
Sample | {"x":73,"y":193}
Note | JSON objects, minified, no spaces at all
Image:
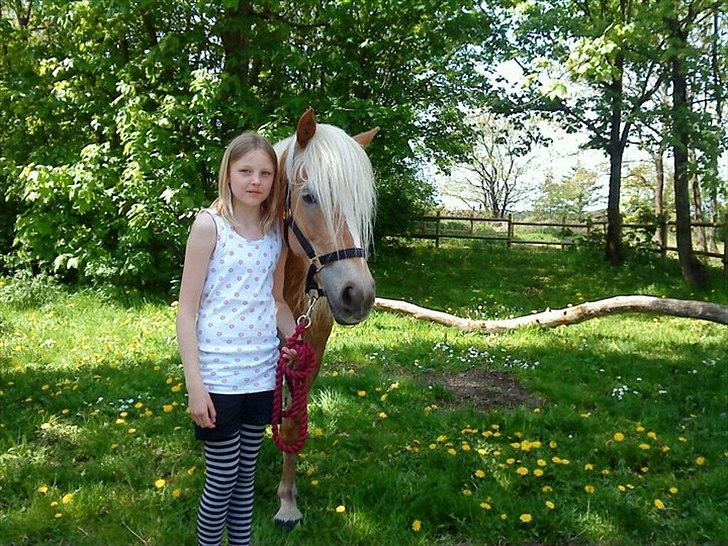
{"x":297,"y":377}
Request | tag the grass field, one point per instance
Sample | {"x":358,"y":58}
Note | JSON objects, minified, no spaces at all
{"x":611,"y":431}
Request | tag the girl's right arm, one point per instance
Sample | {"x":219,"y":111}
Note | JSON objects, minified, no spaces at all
{"x":200,"y":245}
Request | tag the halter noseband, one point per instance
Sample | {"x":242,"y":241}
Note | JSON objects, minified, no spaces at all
{"x":317,"y":263}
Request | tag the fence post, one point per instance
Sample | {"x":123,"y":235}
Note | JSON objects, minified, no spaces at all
{"x":588,"y":227}
{"x":437,"y":231}
{"x":563,"y":231}
{"x":663,"y":238}
{"x":471,"y":222}
{"x":510,"y":230}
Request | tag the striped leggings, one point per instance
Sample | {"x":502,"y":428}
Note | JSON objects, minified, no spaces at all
{"x":228,"y":493}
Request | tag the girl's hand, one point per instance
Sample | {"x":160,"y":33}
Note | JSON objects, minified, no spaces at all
{"x":202,"y":409}
{"x":289,"y":354}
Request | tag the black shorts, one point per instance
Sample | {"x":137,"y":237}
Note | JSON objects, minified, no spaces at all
{"x":234,"y":410}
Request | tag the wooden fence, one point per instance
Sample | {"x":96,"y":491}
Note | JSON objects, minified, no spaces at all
{"x":588,"y":226}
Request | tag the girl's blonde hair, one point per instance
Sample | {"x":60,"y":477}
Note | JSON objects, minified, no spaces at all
{"x":238,"y":147}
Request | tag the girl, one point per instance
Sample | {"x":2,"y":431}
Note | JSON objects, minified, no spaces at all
{"x":230,"y":309}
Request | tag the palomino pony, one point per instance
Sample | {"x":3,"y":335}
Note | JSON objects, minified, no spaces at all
{"x":330,"y":209}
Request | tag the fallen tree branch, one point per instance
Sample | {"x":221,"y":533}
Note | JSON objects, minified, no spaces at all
{"x":569,"y":315}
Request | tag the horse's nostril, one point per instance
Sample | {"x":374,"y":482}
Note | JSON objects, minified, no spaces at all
{"x":348,"y":296}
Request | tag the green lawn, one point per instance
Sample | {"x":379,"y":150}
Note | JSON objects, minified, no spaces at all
{"x":630,"y":434}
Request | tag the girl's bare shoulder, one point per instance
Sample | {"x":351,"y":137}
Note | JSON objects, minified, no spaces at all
{"x":203,"y":233}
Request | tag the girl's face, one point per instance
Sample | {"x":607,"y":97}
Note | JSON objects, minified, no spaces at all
{"x":251,"y":178}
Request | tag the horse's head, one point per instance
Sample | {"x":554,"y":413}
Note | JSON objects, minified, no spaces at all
{"x":332,"y":200}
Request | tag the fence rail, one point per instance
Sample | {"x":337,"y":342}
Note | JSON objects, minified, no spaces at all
{"x":661,"y":228}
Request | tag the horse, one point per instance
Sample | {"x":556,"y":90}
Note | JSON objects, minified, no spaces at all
{"x":329,"y":205}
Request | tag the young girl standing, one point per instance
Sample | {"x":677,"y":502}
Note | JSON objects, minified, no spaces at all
{"x":230,"y":309}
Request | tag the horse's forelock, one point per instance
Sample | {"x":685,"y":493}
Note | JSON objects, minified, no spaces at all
{"x":339,"y":173}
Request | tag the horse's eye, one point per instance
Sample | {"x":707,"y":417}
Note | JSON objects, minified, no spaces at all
{"x":308,"y":198}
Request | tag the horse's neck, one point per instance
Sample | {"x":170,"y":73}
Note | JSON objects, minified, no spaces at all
{"x":294,"y":294}
{"x":295,"y":283}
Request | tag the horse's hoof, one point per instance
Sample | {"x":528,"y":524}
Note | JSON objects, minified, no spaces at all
{"x":287,"y":524}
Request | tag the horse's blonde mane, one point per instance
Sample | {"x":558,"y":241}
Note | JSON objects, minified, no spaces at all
{"x":336,"y":169}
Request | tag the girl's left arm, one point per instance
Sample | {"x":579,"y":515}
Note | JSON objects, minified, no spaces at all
{"x":284,"y":316}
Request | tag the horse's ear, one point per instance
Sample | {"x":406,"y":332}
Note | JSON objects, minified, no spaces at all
{"x":365,"y":138}
{"x":306,"y":128}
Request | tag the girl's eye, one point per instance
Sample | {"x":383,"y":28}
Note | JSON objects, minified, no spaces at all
{"x":245,"y":171}
{"x":308,"y":198}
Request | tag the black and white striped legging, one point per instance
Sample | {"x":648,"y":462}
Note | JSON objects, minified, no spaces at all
{"x":229,"y":482}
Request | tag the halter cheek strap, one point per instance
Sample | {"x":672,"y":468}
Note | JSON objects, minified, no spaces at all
{"x":317,"y":263}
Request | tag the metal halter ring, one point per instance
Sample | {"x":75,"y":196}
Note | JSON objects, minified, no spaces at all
{"x":307,"y":315}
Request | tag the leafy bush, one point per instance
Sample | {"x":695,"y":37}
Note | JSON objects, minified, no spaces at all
{"x":26,"y":290}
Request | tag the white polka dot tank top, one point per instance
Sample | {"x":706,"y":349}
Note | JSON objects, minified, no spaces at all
{"x":236,"y":324}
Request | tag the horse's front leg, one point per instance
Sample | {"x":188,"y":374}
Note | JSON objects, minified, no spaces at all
{"x":288,"y":515}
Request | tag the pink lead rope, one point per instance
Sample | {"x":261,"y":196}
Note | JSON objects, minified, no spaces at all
{"x":297,"y":378}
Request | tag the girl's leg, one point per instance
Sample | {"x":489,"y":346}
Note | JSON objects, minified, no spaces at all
{"x":240,"y":513}
{"x":221,"y":471}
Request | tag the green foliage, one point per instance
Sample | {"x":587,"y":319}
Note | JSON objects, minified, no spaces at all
{"x":26,"y":291}
{"x":570,"y":197}
{"x":115,"y":114}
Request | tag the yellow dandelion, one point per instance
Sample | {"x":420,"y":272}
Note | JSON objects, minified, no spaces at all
{"x":639,"y":428}
{"x":148,"y":412}
{"x":481,"y":451}
{"x":58,"y":515}
{"x":124,"y":414}
{"x":555,"y":459}
{"x":525,"y":518}
{"x":167,"y":408}
{"x":45,"y":387}
{"x":644,"y":446}
{"x":139,"y":405}
{"x":394,"y":385}
{"x":451,"y":451}
{"x":160,"y":483}
{"x":131,"y":430}
{"x":504,"y":516}
{"x":416,"y":526}
{"x":547,"y":489}
{"x":521,"y":470}
{"x":65,"y":411}
{"x":42,"y":489}
{"x":553,"y":445}
{"x":659,"y":504}
{"x":605,"y":472}
{"x":485,"y":506}
{"x":550,"y":504}
{"x":652,"y":435}
{"x":510,"y":460}
{"x":441,"y":438}
{"x":314,"y":482}
{"x":541,"y":462}
{"x":465,"y":447}
{"x":432,"y":446}
{"x":589,"y":489}
{"x":382,"y":415}
{"x":588,"y":466}
{"x":177,"y":387}
{"x":177,"y":493}
{"x":318,"y":432}
{"x":538,"y":472}
{"x":467,"y":492}
{"x":54,"y":504}
{"x":565,"y":461}
{"x":479,"y":473}
{"x":120,"y":421}
{"x":700,"y":460}
{"x":340,"y":509}
{"x":361,"y":393}
{"x":67,"y":498}
{"x":383,"y":398}
{"x":621,"y":488}
{"x":673,"y":490}
{"x":682,"y":438}
{"x":169,"y":381}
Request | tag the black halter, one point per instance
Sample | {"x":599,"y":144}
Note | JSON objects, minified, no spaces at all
{"x":317,"y":263}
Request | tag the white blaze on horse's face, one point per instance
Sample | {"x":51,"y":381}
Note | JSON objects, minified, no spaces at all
{"x":332,"y":201}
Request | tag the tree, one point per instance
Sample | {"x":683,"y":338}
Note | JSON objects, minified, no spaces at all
{"x":571,"y":197}
{"x":494,"y":177}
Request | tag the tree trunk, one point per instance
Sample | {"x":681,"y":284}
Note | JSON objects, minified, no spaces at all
{"x":614,"y":220}
{"x":658,"y":158}
{"x":697,"y":203}
{"x":570,"y":315}
{"x":693,"y":271}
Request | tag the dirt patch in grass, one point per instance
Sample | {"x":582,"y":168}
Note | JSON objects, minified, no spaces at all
{"x":486,"y":390}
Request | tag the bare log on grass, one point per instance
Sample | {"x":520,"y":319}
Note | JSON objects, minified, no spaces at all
{"x":569,"y":315}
